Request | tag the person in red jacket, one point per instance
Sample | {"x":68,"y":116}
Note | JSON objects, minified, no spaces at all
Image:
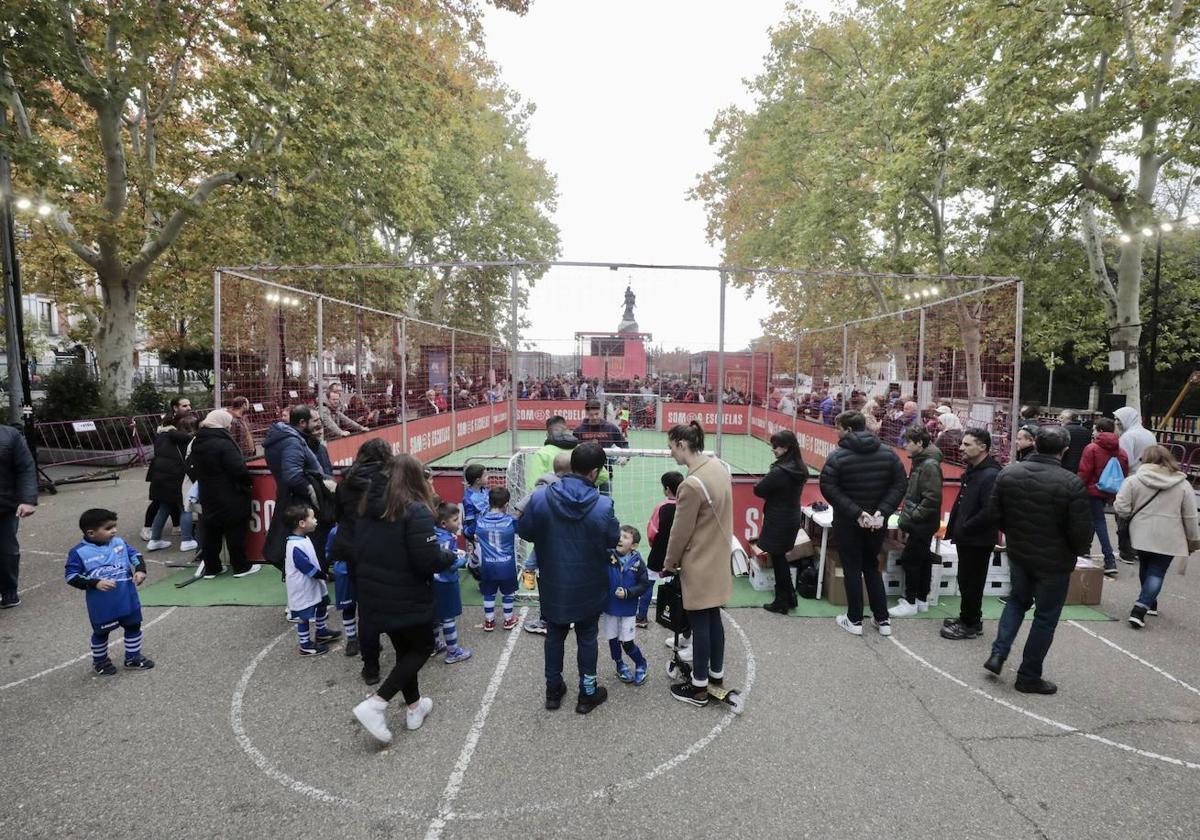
{"x":1096,"y":455}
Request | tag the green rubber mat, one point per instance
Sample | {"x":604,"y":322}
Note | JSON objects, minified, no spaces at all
{"x":265,"y":589}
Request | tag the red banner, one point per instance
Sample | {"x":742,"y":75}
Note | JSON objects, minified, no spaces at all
{"x":533,"y":414}
{"x":736,"y":417}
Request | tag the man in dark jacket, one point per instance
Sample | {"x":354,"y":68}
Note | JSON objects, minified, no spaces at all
{"x":573,"y":529}
{"x":291,"y":462}
{"x":1080,"y":438}
{"x":920,"y":517}
{"x":596,"y":429}
{"x":1043,"y":511}
{"x":18,"y":499}
{"x":863,"y":481}
{"x":973,"y":533}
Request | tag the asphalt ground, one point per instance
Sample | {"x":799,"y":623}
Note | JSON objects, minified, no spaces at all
{"x":233,"y":735}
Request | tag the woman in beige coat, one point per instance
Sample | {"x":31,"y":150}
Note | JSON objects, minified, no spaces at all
{"x":699,"y":551}
{"x":1161,"y":508}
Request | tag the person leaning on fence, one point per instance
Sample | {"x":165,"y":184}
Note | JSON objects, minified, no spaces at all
{"x":1159,"y":507}
{"x":292,"y":463}
{"x":973,"y":533}
{"x":18,"y":500}
{"x":1043,"y":511}
{"x":1092,"y":466}
{"x":698,"y":551}
{"x":334,"y":422}
{"x":216,"y":464}
{"x":863,"y":481}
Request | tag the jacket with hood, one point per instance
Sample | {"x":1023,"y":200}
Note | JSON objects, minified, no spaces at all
{"x":573,"y":529}
{"x":395,"y":562}
{"x":862,"y":475}
{"x":167,"y":469}
{"x":1136,"y":437}
{"x":922,"y":508}
{"x":1168,"y":522}
{"x":629,"y":573}
{"x":1043,"y":511}
{"x":216,"y":464}
{"x":780,"y":491}
{"x":1096,"y":457}
{"x":347,"y":500}
{"x":289,"y":459}
{"x":542,"y":461}
{"x":970,"y":520}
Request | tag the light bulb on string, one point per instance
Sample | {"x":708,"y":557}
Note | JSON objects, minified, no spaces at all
{"x":1166,"y":227}
{"x":1147,"y":231}
{"x":24,"y":203}
{"x":44,"y":210}
{"x":1126,"y":238}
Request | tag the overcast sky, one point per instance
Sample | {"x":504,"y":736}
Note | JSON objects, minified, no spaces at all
{"x":625,"y":92}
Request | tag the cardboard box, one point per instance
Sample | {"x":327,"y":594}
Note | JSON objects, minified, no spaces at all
{"x":1087,"y":583}
{"x":803,"y":549}
{"x":835,"y":580}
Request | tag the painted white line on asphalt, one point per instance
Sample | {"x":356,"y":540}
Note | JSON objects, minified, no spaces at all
{"x":661,"y":769}
{"x":62,"y":555}
{"x":455,"y":782}
{"x":1135,"y":657}
{"x":71,"y":662}
{"x":1064,"y":727}
{"x":30,"y":588}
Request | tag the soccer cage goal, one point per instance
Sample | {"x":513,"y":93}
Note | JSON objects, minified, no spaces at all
{"x":465,"y":363}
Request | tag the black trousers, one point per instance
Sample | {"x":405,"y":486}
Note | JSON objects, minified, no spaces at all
{"x":973,"y":564}
{"x":917,"y":561}
{"x":413,"y":646}
{"x":859,"y":552}
{"x":785,"y":591}
{"x":232,"y":533}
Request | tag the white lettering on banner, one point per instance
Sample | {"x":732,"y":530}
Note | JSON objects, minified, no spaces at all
{"x":815,"y":445}
{"x":759,"y":422}
{"x":706,"y":418}
{"x":428,"y":440}
{"x":541,"y":415}
{"x":475,"y":424}
{"x":751,"y":532}
{"x":260,"y":515}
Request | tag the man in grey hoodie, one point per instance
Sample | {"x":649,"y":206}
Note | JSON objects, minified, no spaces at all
{"x":562,"y":466}
{"x":1134,"y":438}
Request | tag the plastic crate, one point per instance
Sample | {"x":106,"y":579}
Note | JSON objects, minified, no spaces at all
{"x":999,"y":586}
{"x":998,"y":563}
{"x":893,"y":583}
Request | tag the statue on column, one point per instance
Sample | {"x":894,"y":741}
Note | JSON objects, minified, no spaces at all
{"x":628,"y":324}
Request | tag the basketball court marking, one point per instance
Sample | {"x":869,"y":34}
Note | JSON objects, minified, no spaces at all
{"x":455,"y":782}
{"x":71,"y":662}
{"x":1063,"y":727}
{"x":1135,"y":657}
{"x":296,"y":786}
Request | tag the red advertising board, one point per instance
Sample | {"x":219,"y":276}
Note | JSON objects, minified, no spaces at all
{"x":533,"y":414}
{"x":736,"y":417}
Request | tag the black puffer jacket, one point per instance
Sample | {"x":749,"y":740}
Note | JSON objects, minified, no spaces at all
{"x":780,"y":491}
{"x":167,"y":470}
{"x":347,"y":500}
{"x":862,"y":475}
{"x":18,"y":472}
{"x":395,"y":563}
{"x":216,"y":464}
{"x":1043,"y":511}
{"x":970,"y":520}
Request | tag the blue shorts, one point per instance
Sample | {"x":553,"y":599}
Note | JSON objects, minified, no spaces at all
{"x":345,"y":591}
{"x":127,"y":620}
{"x":487,"y":588}
{"x":447,"y":599}
{"x":308,"y":613}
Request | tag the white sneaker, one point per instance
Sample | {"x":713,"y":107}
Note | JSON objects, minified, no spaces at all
{"x":884,"y":628}
{"x":413,"y":718}
{"x":373,"y":717}
{"x":904,"y":609}
{"x":253,"y":570}
{"x":849,"y":626}
{"x":922,"y":606}
{"x":189,"y":545}
{"x":685,"y":653}
{"x":155,"y":545}
{"x":145,"y":534}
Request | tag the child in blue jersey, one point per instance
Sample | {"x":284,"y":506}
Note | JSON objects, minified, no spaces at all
{"x":110,"y":572}
{"x":627,"y":581}
{"x":307,"y":595}
{"x":496,"y":534}
{"x":447,"y":597}
{"x":474,"y":505}
{"x":344,"y":593}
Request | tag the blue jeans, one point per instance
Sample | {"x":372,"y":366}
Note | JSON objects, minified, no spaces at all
{"x":160,"y":521}
{"x":10,"y":554}
{"x":1151,"y":571}
{"x":586,"y":649}
{"x":1100,"y":524}
{"x":708,"y":645}
{"x":1045,"y":592}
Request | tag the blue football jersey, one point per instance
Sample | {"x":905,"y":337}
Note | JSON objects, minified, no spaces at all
{"x":496,"y":535}
{"x":446,"y":542}
{"x":113,"y":561}
{"x":474,"y":505}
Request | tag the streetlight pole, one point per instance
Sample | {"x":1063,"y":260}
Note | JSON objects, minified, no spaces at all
{"x":18,"y":373}
{"x":1147,"y":400}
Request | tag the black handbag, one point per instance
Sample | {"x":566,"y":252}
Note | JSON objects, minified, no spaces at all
{"x":669,"y":611}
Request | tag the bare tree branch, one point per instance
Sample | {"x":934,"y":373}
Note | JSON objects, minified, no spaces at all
{"x":68,"y":15}
{"x":154,"y":247}
{"x":88,"y":255}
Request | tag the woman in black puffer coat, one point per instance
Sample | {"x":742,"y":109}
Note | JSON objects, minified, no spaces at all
{"x":396,"y":555}
{"x":780,"y":491}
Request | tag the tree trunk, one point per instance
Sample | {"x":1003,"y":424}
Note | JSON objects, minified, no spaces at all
{"x":968,"y":328}
{"x":115,"y":337}
{"x":1126,"y":333}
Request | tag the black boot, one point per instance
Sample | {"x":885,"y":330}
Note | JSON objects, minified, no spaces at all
{"x":1038,"y":686}
{"x":554,"y":696}
{"x":587,"y":702}
{"x":995,"y":664}
{"x":776,"y":607}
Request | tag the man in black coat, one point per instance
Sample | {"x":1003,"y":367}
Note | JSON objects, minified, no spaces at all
{"x":973,"y":533}
{"x":863,"y":481}
{"x":18,"y":499}
{"x":1043,"y":511}
{"x":1080,"y":438}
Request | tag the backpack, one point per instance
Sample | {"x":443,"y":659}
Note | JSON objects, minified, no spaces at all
{"x":1111,"y":478}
